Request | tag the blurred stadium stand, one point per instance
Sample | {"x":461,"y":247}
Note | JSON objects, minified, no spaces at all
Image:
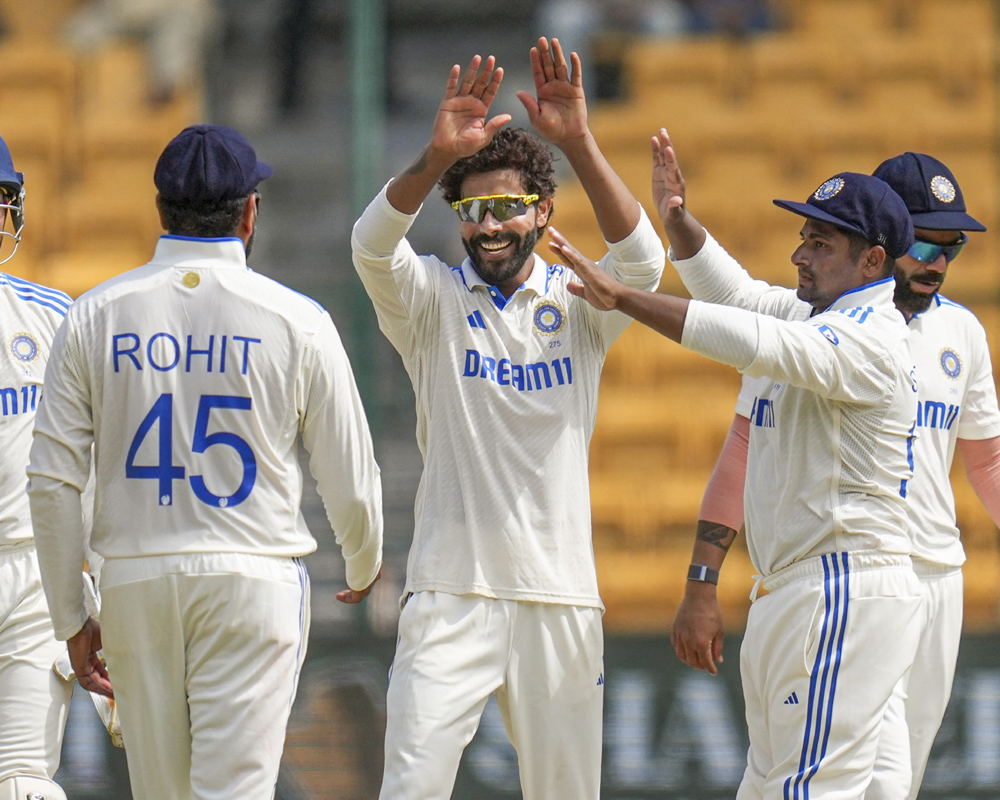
{"x":846,"y":84}
{"x":841,"y":85}
{"x":82,"y":130}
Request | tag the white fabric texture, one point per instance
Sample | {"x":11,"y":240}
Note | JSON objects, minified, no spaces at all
{"x":34,"y":700}
{"x":506,"y":397}
{"x":194,"y":377}
{"x":820,"y":658}
{"x":828,"y":463}
{"x":545,"y":663}
{"x":30,"y":314}
{"x":958,"y":399}
{"x":204,"y":651}
{"x":921,"y":698}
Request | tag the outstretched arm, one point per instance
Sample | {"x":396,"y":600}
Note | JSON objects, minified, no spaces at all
{"x":558,"y":111}
{"x":698,"y":631}
{"x":661,"y":312}
{"x":460,"y":130}
{"x":685,"y":233}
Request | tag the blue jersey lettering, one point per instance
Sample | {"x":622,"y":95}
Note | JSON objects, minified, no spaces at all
{"x":522,"y":377}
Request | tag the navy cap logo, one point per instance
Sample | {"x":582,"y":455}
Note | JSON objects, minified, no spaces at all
{"x":942,"y":188}
{"x":829,"y":189}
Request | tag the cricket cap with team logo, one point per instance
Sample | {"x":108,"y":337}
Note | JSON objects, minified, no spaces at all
{"x":206,"y":163}
{"x":930,"y":192}
{"x":862,"y":204}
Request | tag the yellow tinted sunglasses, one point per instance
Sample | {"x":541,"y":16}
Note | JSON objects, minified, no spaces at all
{"x":502,"y":206}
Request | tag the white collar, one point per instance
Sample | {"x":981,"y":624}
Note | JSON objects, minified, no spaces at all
{"x":190,"y":251}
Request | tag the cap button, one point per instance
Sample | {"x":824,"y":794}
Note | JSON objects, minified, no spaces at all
{"x":191,"y":279}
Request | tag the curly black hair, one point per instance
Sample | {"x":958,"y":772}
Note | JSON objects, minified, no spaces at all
{"x":511,"y":148}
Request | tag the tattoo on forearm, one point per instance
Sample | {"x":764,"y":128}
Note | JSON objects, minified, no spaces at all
{"x":715,"y":533}
{"x":419,"y":165}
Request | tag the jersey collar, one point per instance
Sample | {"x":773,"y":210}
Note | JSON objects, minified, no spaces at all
{"x":535,"y":282}
{"x":934,"y":306}
{"x":191,"y":251}
{"x":871,"y":294}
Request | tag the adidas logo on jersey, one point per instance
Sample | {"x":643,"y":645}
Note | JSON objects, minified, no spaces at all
{"x":793,"y":700}
{"x":600,"y":680}
{"x":476,"y":320}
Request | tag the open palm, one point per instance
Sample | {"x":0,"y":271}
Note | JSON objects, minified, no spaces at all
{"x":558,"y":110}
{"x":668,"y":183}
{"x":461,"y":127}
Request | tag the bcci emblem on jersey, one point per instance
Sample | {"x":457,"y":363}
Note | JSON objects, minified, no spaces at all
{"x":24,"y":347}
{"x":549,"y":318}
{"x":951,"y":363}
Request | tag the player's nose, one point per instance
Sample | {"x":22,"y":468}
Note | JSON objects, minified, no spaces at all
{"x":799,"y":256}
{"x":490,"y":224}
{"x":939,"y":264}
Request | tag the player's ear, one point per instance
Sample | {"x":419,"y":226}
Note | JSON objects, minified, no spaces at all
{"x":544,"y":207}
{"x":249,"y":218}
{"x":874,"y":264}
{"x":163,"y":219}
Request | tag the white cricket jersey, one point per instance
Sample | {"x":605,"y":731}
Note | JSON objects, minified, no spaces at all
{"x":194,"y":376}
{"x":29,"y":317}
{"x":506,"y":396}
{"x":831,"y":433}
{"x":957,"y":400}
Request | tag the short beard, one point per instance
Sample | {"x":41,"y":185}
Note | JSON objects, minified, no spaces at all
{"x":249,"y":244}
{"x":908,"y":300}
{"x":524,"y":247}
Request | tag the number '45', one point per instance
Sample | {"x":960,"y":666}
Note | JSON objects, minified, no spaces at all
{"x":165,"y":472}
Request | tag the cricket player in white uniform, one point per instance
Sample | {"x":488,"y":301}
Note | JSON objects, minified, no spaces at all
{"x":827,"y":474}
{"x":501,"y":584}
{"x":34,"y":700}
{"x":193,"y":378}
{"x":958,"y":407}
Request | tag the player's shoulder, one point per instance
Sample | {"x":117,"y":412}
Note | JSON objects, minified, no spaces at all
{"x":948,"y":307}
{"x":103,"y":296}
{"x":298,"y":309}
{"x":34,"y":300}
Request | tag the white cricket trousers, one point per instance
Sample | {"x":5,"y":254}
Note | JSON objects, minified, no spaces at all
{"x":820,"y":658}
{"x":545,"y":663}
{"x":34,"y":700}
{"x":921,"y":697}
{"x":204,"y":652}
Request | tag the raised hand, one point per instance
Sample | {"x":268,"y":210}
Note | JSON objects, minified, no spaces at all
{"x":559,"y":110}
{"x":668,"y":183}
{"x":598,"y":288}
{"x":461,"y":128}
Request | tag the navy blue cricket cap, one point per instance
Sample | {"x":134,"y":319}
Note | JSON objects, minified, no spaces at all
{"x":930,"y":191}
{"x":862,"y":204}
{"x":9,"y":178}
{"x":208,"y":162}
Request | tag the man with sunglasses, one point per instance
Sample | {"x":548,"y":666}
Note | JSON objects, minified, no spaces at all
{"x":189,"y":382}
{"x":501,"y":590}
{"x":957,"y":405}
{"x":34,"y":700}
{"x":958,"y":409}
{"x":827,"y":477}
